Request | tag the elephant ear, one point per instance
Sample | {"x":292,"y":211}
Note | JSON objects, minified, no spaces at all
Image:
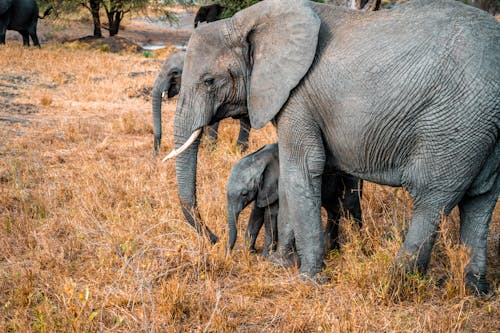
{"x":282,"y":37}
{"x":268,"y":187}
{"x":174,"y":85}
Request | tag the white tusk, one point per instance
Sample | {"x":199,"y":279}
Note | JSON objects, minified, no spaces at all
{"x":162,"y":94}
{"x":185,"y":146}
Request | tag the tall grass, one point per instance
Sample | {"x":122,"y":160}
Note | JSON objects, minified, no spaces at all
{"x":93,"y":238}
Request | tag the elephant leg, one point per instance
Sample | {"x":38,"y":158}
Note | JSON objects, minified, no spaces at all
{"x":3,"y":30}
{"x":212,"y":131}
{"x":340,"y":195}
{"x":255,"y":223}
{"x":34,"y":37}
{"x":26,"y":37}
{"x":332,"y":231}
{"x":330,"y":200}
{"x":244,"y":133}
{"x":302,"y":159}
{"x":284,"y":255}
{"x":351,"y":200}
{"x":270,"y":227}
{"x":475,"y":215}
{"x":419,"y":241}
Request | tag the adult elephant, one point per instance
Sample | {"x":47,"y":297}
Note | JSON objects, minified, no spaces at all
{"x":169,"y":81}
{"x":208,"y":13}
{"x":22,"y":16}
{"x":404,"y":97}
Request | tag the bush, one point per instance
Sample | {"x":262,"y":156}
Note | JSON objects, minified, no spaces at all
{"x":233,"y":6}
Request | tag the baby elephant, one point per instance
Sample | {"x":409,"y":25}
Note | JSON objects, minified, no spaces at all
{"x":255,"y":179}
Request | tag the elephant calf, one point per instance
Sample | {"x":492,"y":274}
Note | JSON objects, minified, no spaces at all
{"x":255,"y":179}
{"x":169,"y":82}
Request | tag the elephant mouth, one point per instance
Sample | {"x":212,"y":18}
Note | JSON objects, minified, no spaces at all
{"x":181,"y":149}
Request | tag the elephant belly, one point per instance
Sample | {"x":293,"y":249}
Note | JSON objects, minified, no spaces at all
{"x":344,"y":154}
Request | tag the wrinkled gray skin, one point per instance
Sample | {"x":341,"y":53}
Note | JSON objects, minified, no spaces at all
{"x":22,"y":16}
{"x":255,"y":179}
{"x":405,"y":97}
{"x":169,"y":82}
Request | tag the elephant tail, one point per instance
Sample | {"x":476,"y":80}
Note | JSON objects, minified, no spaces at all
{"x":46,"y":12}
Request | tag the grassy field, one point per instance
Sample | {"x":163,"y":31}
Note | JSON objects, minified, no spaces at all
{"x":92,"y":237}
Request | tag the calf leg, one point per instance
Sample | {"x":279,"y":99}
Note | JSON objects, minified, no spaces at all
{"x":254,"y":225}
{"x":270,"y":225}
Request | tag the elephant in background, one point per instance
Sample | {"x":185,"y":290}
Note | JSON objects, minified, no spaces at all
{"x":255,"y":179}
{"x":169,"y":82}
{"x":22,"y":16}
{"x":208,"y":13}
{"x":370,"y":5}
{"x":421,"y":111}
{"x":491,"y":6}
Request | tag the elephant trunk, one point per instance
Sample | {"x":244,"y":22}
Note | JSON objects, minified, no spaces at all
{"x":186,"y":164}
{"x":232,"y":220}
{"x":157,"y":98}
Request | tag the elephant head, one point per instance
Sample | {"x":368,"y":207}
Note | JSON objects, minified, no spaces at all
{"x":168,"y":81}
{"x":246,"y":64}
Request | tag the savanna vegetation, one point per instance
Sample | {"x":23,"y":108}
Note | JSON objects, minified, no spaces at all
{"x":92,"y":236}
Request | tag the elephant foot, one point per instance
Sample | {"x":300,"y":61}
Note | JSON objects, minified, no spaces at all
{"x":317,"y":279}
{"x":283,"y":260}
{"x":477,"y":284}
{"x":333,"y":246}
{"x":408,"y":263}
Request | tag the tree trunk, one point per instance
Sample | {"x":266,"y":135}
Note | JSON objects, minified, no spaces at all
{"x":114,"y":20}
{"x":94,"y":9}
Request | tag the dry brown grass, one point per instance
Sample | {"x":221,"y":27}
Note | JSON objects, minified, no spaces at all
{"x":93,"y":239}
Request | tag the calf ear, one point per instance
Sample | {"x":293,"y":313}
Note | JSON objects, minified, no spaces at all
{"x":282,"y":38}
{"x":268,"y":188}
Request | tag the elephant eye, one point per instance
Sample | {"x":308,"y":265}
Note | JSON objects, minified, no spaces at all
{"x":209,"y":81}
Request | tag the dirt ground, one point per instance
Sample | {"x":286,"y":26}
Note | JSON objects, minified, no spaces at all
{"x":140,"y":31}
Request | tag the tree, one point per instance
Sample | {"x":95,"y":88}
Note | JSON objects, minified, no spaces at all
{"x":94,"y":6}
{"x":68,"y":6}
{"x":116,"y":10}
{"x":233,"y":6}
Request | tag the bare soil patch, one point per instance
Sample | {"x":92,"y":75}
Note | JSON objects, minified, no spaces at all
{"x":106,"y":44}
{"x":18,"y":108}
